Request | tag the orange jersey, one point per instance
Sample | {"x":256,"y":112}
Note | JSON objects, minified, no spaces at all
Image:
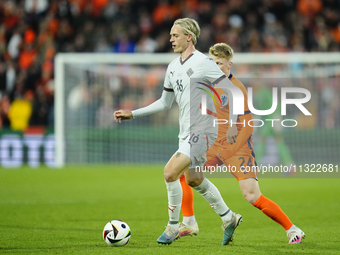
{"x":223,"y":111}
{"x":239,"y":156}
{"x":242,"y":164}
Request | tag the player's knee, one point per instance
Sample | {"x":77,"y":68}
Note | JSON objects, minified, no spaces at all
{"x":169,"y":176}
{"x":250,"y":197}
{"x":194,"y":182}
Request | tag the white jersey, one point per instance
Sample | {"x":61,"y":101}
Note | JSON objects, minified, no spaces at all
{"x":182,"y":78}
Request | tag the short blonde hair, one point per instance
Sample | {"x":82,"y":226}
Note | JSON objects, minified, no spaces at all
{"x":189,"y":26}
{"x":222,"y":50}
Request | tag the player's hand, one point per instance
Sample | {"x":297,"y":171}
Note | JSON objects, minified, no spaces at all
{"x":122,"y":115}
{"x":231,"y":134}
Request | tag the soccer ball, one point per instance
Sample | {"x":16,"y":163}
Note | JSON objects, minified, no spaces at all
{"x":116,"y":233}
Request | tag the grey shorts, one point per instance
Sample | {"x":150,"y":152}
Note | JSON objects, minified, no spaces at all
{"x":195,"y":146}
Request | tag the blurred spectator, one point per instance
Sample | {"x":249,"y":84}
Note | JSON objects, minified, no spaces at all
{"x":35,"y":11}
{"x":4,"y":110}
{"x":36,"y":6}
{"x":3,"y":82}
{"x":10,"y":76}
{"x":32,"y":75}
{"x":104,"y":113}
{"x":11,"y":17}
{"x":41,"y":108}
{"x":102,"y":45}
{"x":20,"y":112}
{"x":336,"y":34}
{"x":90,"y":36}
{"x":32,"y":32}
{"x":162,"y":41}
{"x":146,"y":45}
{"x":2,"y":41}
{"x":64,"y":36}
{"x":79,"y":43}
{"x":19,"y":87}
{"x":124,"y":44}
{"x":164,"y":13}
{"x":98,"y":6}
{"x":205,"y":40}
{"x":45,"y":82}
{"x":13,"y":45}
{"x":309,"y":8}
{"x":78,"y":97}
{"x":27,"y":56}
{"x":145,"y":22}
{"x":29,"y":36}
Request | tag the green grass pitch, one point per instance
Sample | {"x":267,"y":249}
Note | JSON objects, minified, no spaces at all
{"x":63,"y":211}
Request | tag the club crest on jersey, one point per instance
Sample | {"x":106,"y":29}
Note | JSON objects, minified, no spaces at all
{"x":224,"y":100}
{"x":190,"y":72}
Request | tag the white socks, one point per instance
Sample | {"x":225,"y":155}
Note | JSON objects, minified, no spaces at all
{"x":207,"y":190}
{"x":174,"y":202}
{"x":293,"y":228}
{"x":189,"y":220}
{"x":211,"y":194}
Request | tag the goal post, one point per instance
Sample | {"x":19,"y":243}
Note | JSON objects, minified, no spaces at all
{"x":89,"y":58}
{"x":88,"y":84}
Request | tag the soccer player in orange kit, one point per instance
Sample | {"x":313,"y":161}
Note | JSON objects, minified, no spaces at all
{"x":239,"y":155}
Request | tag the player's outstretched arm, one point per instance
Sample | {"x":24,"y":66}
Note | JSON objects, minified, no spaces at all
{"x":161,"y":104}
{"x":122,"y":115}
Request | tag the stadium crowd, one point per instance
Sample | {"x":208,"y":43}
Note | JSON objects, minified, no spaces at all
{"x":32,"y":32}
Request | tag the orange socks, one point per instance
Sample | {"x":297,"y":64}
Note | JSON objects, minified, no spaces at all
{"x":267,"y":206}
{"x":188,"y":198}
{"x":272,"y":210}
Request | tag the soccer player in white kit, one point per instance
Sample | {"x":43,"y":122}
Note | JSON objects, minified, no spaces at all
{"x":197,"y":132}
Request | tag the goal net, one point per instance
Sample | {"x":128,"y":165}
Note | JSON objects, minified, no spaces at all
{"x":90,"y":87}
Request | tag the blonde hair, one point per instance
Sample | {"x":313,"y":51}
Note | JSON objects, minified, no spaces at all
{"x":222,"y":50}
{"x":189,"y":26}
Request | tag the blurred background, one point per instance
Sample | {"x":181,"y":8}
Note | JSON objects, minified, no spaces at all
{"x":33,"y":32}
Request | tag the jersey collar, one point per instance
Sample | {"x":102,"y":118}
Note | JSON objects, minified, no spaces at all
{"x":230,"y":76}
{"x":182,"y":62}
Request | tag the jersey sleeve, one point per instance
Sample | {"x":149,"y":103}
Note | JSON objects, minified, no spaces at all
{"x":212,"y":74}
{"x":167,"y":84}
{"x":164,"y":103}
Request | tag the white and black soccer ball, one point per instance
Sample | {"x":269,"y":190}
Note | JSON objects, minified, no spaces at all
{"x":116,"y":233}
